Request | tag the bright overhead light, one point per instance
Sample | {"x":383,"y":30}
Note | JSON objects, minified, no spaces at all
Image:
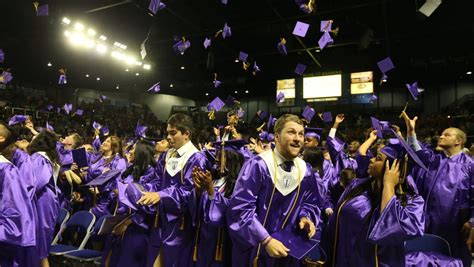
{"x":469,"y":72}
{"x":98,"y":78}
{"x":66,"y":33}
{"x":236,"y":60}
{"x":91,"y":32}
{"x":103,"y":38}
{"x":126,"y":70}
{"x":137,"y":74}
{"x":236,"y":92}
{"x":101,"y":48}
{"x":146,"y":66}
{"x":117,"y":87}
{"x":119,"y":45}
{"x":171,"y":85}
{"x":246,"y":91}
{"x":78,"y":26}
{"x":66,"y":21}
{"x":182,"y":67}
{"x":87,"y":75}
{"x":49,"y":64}
{"x":207,"y":94}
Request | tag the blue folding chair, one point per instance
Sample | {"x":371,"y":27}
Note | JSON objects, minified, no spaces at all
{"x":80,"y":222}
{"x":88,"y":255}
{"x":63,"y":216}
{"x":428,"y":243}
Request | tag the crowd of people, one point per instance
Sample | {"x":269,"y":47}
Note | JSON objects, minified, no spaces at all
{"x":234,"y":195}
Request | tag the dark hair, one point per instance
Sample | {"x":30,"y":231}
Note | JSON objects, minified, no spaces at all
{"x":315,"y":157}
{"x":347,"y":175}
{"x":233,"y":164}
{"x":144,"y":157}
{"x":182,"y":122}
{"x":45,"y":141}
{"x":7,"y":147}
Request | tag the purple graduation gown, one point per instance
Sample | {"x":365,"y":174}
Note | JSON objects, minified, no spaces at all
{"x":417,"y":258}
{"x":106,"y":197}
{"x":361,"y":235}
{"x":248,"y":207}
{"x":339,"y":158}
{"x":47,"y":203}
{"x":174,"y":234}
{"x":131,"y":248}
{"x":448,"y":189}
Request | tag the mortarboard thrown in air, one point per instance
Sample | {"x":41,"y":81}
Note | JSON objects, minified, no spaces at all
{"x":6,"y":77}
{"x":282,"y":47}
{"x":42,"y":11}
{"x":2,"y":56}
{"x":397,"y":148}
{"x":49,"y":107}
{"x":243,"y":56}
{"x":67,"y":108}
{"x":382,"y":127}
{"x":385,"y":65}
{"x":308,"y":113}
{"x":17,"y":119}
{"x":313,"y":132}
{"x":224,"y":2}
{"x":326,"y":116}
{"x":414,"y":90}
{"x":262,"y":114}
{"x":216,"y":104}
{"x":306,"y":6}
{"x":79,"y":112}
{"x":300,"y":68}
{"x":280,"y":97}
{"x":325,"y":40}
{"x":140,"y":130}
{"x":216,"y":82}
{"x":49,"y":127}
{"x":226,"y":31}
{"x":62,"y":76}
{"x":154,"y":88}
{"x":104,"y":130}
{"x":373,"y":98}
{"x":181,"y":46}
{"x":255,"y":68}
{"x":155,"y":6}
{"x":271,"y":122}
{"x":300,"y":29}
{"x":96,"y":125}
{"x":207,"y":43}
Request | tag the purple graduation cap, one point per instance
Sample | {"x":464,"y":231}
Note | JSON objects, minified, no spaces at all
{"x":325,"y":40}
{"x":300,"y":29}
{"x":122,"y":195}
{"x":308,"y":113}
{"x":105,"y":177}
{"x":326,"y":116}
{"x":226,"y":31}
{"x":306,"y":7}
{"x":181,"y":46}
{"x":67,"y":108}
{"x":17,"y":119}
{"x":373,"y":98}
{"x":414,"y":90}
{"x":298,"y":244}
{"x":300,"y":68}
{"x":96,"y":125}
{"x":382,"y":127}
{"x":140,"y":130}
{"x":243,"y":56}
{"x":155,"y":6}
{"x":398,"y":148}
{"x":102,"y":98}
{"x":385,"y":65}
{"x":313,"y":132}
{"x":271,"y":122}
{"x":62,"y":79}
{"x":224,"y":2}
{"x":216,"y":104}
{"x":280,"y":97}
{"x":154,"y":88}
{"x":207,"y":43}
{"x":240,"y":112}
{"x":2,"y":56}
{"x":6,"y":77}
{"x":58,"y":110}
{"x":230,"y":101}
{"x":282,"y":47}
{"x":49,"y":127}
{"x":49,"y":107}
{"x":326,"y":25}
{"x":216,"y":82}
{"x":255,"y":68}
{"x":79,"y":112}
{"x":42,"y":11}
{"x":104,"y":130}
{"x":266,"y":136}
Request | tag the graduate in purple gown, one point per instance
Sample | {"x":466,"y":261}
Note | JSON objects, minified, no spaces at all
{"x":130,"y":240}
{"x":448,"y":189}
{"x":275,"y":191}
{"x":17,"y":223}
{"x":210,"y":199}
{"x":375,"y":215}
{"x":109,"y":158}
{"x":335,"y":146}
{"x":45,"y":164}
{"x":171,"y":241}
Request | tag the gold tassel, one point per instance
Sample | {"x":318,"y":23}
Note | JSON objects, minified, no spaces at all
{"x":255,"y":261}
{"x":335,"y":31}
{"x":218,"y":254}
{"x":181,"y":227}
{"x":195,"y":253}
{"x":259,"y":129}
{"x":156,"y":220}
{"x":222,"y":165}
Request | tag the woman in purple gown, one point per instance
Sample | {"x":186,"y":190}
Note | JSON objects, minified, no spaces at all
{"x":210,"y":199}
{"x":45,"y":165}
{"x":130,"y":238}
{"x":375,"y":215}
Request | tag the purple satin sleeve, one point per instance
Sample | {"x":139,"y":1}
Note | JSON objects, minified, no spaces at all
{"x":96,"y":144}
{"x":23,"y":162}
{"x":339,"y":158}
{"x":362,"y":165}
{"x":313,"y":199}
{"x":418,"y":258}
{"x":173,"y":199}
{"x":397,"y":223}
{"x":65,"y":156}
{"x":17,"y":224}
{"x":42,"y":170}
{"x":471,"y":192}
{"x":215,"y":209}
{"x":244,"y":226}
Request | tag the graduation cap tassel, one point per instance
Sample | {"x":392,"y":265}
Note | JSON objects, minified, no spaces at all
{"x":156,"y":218}
{"x":222,"y":165}
{"x":196,"y":240}
{"x":259,"y":129}
{"x":255,"y":260}
{"x":218,"y":256}
{"x":181,"y":227}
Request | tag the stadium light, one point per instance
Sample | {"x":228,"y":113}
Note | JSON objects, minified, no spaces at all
{"x":66,"y":21}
